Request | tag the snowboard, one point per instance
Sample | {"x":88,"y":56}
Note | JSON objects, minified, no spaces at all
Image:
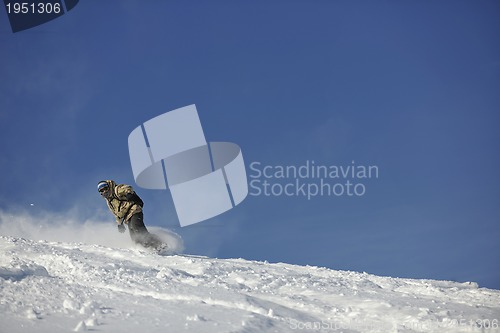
{"x":154,"y":244}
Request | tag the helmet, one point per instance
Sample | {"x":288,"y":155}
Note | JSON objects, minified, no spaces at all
{"x":102,"y":185}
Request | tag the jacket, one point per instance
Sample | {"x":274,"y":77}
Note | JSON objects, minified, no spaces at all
{"x":121,"y":201}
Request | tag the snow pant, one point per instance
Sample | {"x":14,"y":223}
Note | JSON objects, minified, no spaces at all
{"x":140,"y":234}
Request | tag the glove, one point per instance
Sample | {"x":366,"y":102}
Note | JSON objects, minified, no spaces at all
{"x":121,"y":228}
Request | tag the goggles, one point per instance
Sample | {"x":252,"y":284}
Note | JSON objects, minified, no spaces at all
{"x":103,"y":187}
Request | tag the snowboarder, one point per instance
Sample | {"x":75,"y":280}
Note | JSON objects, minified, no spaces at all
{"x":126,"y":206}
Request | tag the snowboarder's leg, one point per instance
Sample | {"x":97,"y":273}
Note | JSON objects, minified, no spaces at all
{"x":139,"y":233}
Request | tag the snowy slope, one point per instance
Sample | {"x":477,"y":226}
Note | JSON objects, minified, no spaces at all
{"x":60,"y":287}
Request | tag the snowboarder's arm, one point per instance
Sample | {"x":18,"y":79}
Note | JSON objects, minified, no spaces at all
{"x":121,"y":228}
{"x":122,"y":191}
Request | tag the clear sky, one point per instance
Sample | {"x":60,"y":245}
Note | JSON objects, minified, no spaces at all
{"x":412,"y":87}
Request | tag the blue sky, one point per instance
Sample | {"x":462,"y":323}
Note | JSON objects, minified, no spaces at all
{"x":409,"y":86}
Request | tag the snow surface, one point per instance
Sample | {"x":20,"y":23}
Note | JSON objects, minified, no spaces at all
{"x":58,"y":274}
{"x":61,"y":287}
